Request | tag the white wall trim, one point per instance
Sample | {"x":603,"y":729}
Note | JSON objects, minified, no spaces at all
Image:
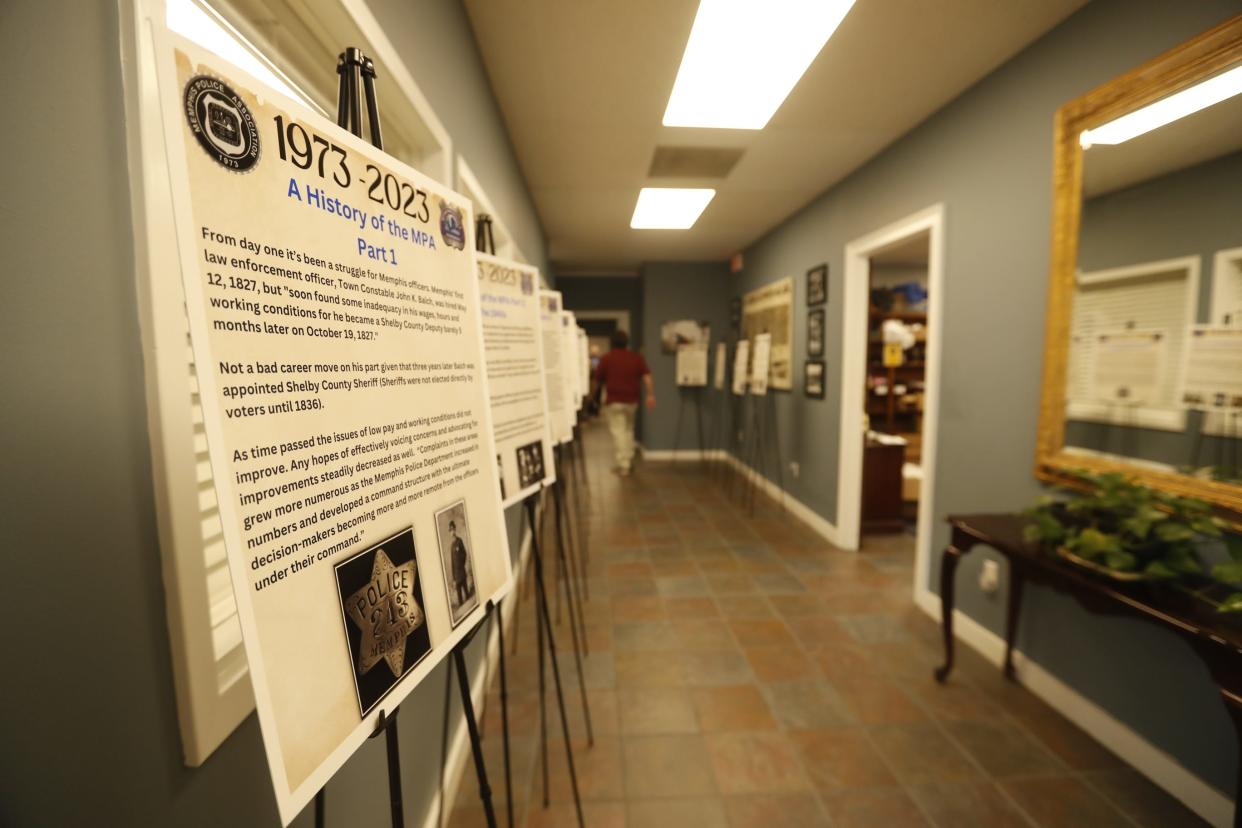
{"x":621,"y":317}
{"x":1149,"y":760}
{"x":468,"y":183}
{"x":856,"y":306}
{"x":797,"y":508}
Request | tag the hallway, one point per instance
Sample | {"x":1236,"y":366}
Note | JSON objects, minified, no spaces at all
{"x":743,"y":672}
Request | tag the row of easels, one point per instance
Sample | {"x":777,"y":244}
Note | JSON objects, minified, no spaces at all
{"x":742,"y":426}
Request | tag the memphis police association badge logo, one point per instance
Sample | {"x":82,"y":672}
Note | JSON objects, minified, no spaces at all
{"x":452,"y":227}
{"x":222,"y":123}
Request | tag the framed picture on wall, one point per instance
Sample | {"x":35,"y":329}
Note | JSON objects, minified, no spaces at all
{"x":813,"y":378}
{"x":817,"y":285}
{"x":815,"y":333}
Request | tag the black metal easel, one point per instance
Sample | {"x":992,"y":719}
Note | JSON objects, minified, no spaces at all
{"x":543,"y":624}
{"x":357,"y":81}
{"x":696,"y":398}
{"x":485,"y":242}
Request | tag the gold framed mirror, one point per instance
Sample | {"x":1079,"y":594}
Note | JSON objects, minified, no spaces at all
{"x":1143,"y":342}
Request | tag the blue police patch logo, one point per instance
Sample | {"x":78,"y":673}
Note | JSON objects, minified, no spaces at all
{"x":452,"y":228}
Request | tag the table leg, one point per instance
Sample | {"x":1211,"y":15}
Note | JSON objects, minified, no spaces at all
{"x":948,"y":568}
{"x":1016,"y":582}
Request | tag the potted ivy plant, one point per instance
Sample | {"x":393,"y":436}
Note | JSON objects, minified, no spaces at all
{"x":1127,"y":531}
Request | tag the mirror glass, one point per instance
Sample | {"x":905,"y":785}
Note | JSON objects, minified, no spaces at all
{"x":1154,"y":371}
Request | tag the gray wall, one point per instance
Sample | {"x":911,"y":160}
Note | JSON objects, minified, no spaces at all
{"x":606,"y":293}
{"x":672,"y":291}
{"x":1191,"y":212}
{"x":89,"y":718}
{"x":988,"y":157}
{"x":437,"y":44}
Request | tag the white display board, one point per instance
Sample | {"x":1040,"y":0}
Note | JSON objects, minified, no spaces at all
{"x":334,"y":318}
{"x":560,"y":410}
{"x":1128,"y":365}
{"x":721,"y":367}
{"x":741,"y":367}
{"x":569,"y":353}
{"x":584,"y":361}
{"x":513,"y":346}
{"x":760,"y":364}
{"x":691,"y":367}
{"x":1212,"y":380}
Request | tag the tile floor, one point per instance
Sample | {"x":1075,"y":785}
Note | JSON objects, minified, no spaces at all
{"x":743,"y":672}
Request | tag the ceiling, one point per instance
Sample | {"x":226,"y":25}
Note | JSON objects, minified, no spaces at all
{"x":583,"y":85}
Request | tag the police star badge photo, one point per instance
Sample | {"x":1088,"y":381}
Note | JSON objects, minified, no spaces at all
{"x":381,"y":598}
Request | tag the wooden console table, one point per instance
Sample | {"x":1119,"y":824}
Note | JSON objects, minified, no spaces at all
{"x":1217,"y":639}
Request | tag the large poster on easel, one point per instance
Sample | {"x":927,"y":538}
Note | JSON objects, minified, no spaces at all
{"x":769,"y":309}
{"x":334,"y":320}
{"x":513,"y":345}
{"x":555,"y":366}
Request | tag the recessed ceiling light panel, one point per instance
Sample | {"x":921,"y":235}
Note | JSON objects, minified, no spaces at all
{"x":669,"y":208}
{"x":743,"y":59}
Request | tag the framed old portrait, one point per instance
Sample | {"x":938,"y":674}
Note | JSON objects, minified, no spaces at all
{"x":815,"y":333}
{"x":817,"y":285}
{"x":813,"y":378}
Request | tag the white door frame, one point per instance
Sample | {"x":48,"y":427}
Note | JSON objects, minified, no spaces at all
{"x":854,"y":331}
{"x":621,"y":317}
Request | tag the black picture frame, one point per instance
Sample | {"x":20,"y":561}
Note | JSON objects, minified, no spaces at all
{"x":815,"y":322}
{"x":813,"y":378}
{"x":817,"y":285}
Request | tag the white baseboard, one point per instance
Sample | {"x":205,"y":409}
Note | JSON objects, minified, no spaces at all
{"x":682,"y":455}
{"x":821,"y":525}
{"x":458,"y":754}
{"x":1149,"y":760}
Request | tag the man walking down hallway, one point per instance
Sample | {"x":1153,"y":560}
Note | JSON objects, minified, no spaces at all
{"x":620,"y":374}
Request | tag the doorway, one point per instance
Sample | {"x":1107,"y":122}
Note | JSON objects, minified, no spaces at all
{"x":890,"y":381}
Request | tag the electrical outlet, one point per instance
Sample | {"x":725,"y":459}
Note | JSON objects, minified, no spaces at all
{"x":795,"y":468}
{"x":989,"y":576}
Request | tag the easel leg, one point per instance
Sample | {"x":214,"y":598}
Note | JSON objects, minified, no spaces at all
{"x":566,"y":562}
{"x":543,"y":694}
{"x":504,"y":711}
{"x":776,"y":439}
{"x":472,"y":726}
{"x":394,"y":755}
{"x":546,"y":627}
{"x":698,"y":410}
{"x":319,"y":808}
{"x":579,"y":647}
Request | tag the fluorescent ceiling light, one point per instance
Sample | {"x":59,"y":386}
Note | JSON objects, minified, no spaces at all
{"x":669,"y":208}
{"x":744,"y":57}
{"x":1166,"y":110}
{"x":193,"y":22}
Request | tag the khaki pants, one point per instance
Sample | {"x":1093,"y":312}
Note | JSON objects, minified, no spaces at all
{"x":620,"y":418}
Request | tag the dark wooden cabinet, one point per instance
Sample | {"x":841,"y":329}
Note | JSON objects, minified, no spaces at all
{"x":881,"y":500}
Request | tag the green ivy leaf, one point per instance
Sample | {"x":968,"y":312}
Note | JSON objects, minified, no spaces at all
{"x":1159,"y":569}
{"x":1208,"y":526}
{"x":1229,"y":573}
{"x":1122,"y":561}
{"x":1231,"y":604}
{"x":1173,"y":532}
{"x":1092,"y":543}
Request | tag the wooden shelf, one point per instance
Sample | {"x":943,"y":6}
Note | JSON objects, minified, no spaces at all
{"x":904,"y":316}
